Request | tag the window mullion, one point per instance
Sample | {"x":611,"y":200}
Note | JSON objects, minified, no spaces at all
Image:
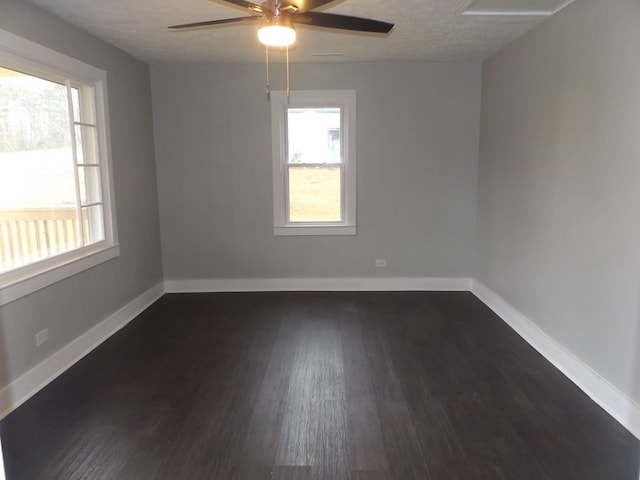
{"x":85,"y":124}
{"x":285,"y":203}
{"x":343,"y":169}
{"x":286,"y":166}
{"x":76,"y":176}
{"x":343,"y":199}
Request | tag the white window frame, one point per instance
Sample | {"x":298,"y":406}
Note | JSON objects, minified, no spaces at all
{"x":346,"y":101}
{"x":23,"y":55}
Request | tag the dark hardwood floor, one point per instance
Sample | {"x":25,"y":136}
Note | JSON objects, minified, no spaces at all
{"x":327,"y":386}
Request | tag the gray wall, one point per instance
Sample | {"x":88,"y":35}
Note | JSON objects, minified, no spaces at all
{"x":558,"y":232}
{"x":71,"y":307}
{"x":417,"y":132}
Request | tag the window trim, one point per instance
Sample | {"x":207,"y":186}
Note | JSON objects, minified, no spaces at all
{"x":346,"y":100}
{"x":19,"y":53}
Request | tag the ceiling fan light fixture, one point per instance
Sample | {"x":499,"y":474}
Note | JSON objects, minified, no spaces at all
{"x":277,"y":31}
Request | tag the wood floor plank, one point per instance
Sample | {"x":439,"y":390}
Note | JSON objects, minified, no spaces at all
{"x":260,"y":448}
{"x":281,"y":472}
{"x":314,"y":426}
{"x":404,"y":453}
{"x":366,"y":446}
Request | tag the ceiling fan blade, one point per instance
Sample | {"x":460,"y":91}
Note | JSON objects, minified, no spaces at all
{"x":302,"y":6}
{"x":248,"y":5}
{"x":215,"y":22}
{"x":343,"y":22}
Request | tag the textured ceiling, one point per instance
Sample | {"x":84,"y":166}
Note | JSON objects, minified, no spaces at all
{"x":425,"y":30}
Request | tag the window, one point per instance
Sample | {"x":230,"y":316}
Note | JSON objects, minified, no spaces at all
{"x":314,"y":162}
{"x":56,"y":217}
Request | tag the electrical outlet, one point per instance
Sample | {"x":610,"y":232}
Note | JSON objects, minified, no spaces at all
{"x":381,"y":263}
{"x":42,"y":336}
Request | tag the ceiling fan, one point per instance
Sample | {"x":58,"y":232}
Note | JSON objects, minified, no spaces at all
{"x":277,"y":18}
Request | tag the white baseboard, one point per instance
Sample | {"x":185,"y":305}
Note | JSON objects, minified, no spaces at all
{"x":612,"y":400}
{"x":24,"y":387}
{"x":318,"y":284}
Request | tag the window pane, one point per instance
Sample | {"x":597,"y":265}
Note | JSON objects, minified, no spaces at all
{"x":37,"y":182}
{"x":87,"y":144}
{"x":75,"y":101}
{"x":315,"y":194}
{"x":313,"y":135}
{"x":89,"y":178}
{"x":82,"y":99}
{"x":92,"y":224}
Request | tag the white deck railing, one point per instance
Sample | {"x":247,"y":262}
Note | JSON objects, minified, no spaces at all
{"x":32,"y":234}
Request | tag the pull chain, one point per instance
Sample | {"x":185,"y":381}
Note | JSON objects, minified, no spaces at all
{"x":267,"y":74}
{"x":267,"y":68}
{"x":288,"y":88}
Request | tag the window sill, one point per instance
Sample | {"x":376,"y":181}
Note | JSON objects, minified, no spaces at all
{"x":28,"y":280}
{"x":291,"y":230}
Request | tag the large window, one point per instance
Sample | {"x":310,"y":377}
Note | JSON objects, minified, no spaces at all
{"x":55,"y":212}
{"x":314,"y":161}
